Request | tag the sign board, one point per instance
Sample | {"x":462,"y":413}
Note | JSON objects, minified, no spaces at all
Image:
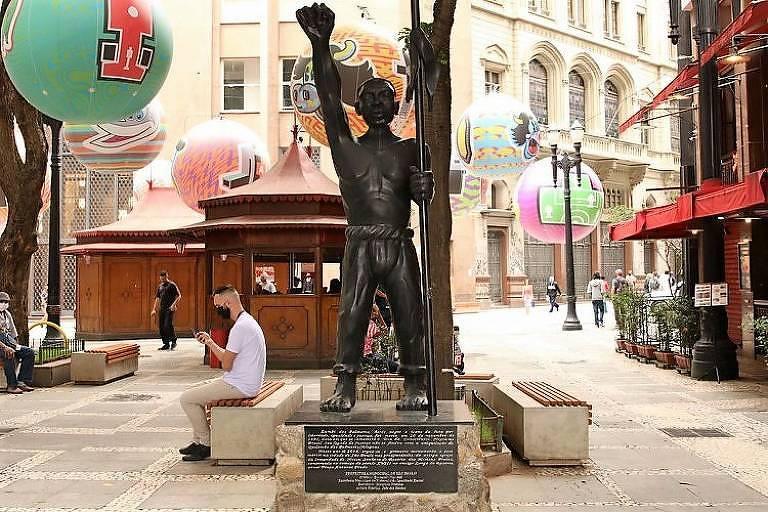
{"x":710,"y":295}
{"x":720,"y":294}
{"x":380,"y":459}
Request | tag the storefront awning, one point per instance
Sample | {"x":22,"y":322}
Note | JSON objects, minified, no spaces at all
{"x":752,"y":20}
{"x":676,"y":220}
{"x":118,"y":247}
{"x":688,"y":78}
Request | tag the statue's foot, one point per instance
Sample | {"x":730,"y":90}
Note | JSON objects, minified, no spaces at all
{"x":415,"y":395}
{"x":343,"y":398}
{"x":413,"y":402}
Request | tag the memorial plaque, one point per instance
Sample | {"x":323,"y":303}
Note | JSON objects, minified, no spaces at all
{"x":380,"y":459}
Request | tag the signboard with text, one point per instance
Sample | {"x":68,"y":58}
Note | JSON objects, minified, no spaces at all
{"x":708,"y":295}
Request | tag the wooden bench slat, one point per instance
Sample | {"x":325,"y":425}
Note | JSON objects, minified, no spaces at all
{"x":563,"y":397}
{"x":549,"y":396}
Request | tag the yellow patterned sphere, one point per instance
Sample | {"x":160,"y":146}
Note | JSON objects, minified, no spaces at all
{"x":361,"y":53}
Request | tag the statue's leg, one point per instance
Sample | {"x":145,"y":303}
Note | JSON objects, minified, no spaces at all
{"x":357,"y":290}
{"x":403,"y":285}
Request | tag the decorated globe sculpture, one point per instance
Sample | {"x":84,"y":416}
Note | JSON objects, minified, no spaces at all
{"x":469,"y":198}
{"x":87,"y":61}
{"x":157,"y":174}
{"x":361,"y":52}
{"x":215,"y":156}
{"x":497,"y":135}
{"x":542,"y":206}
{"x":125,"y":145}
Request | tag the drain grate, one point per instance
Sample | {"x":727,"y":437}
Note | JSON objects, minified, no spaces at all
{"x":695,"y":432}
{"x":129,"y":397}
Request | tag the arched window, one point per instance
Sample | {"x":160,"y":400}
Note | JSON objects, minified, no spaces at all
{"x":611,"y":109}
{"x":577,"y":98}
{"x":538,"y":91}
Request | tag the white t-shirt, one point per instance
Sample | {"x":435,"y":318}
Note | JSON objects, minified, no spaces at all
{"x":246,"y":339}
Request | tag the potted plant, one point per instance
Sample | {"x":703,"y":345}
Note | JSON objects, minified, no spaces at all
{"x":633,"y":305}
{"x":663,"y":317}
{"x":685,"y":321}
{"x":620,"y":307}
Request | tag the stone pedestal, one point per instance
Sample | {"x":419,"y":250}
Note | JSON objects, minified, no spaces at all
{"x":473,"y":491}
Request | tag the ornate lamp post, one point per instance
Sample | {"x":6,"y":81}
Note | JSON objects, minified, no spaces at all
{"x":566,"y":163}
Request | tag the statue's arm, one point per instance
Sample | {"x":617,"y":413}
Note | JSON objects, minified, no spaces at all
{"x":328,"y":85}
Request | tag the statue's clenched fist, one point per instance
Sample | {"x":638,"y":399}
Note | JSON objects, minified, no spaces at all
{"x":317,"y":22}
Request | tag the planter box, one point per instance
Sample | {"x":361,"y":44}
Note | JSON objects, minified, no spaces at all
{"x":683,"y":364}
{"x":647,"y":353}
{"x":665,"y":360}
{"x":621,"y":345}
{"x":48,"y":375}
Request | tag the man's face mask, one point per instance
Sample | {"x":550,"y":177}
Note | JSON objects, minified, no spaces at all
{"x":224,"y":312}
{"x":4,"y":306}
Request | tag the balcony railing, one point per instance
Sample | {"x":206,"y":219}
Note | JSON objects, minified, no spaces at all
{"x":729,"y":174}
{"x":595,"y":146}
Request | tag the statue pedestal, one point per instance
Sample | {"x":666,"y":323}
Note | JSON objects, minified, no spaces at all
{"x":377,"y":458}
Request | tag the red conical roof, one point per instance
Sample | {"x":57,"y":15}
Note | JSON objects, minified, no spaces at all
{"x":159,"y":211}
{"x":293,"y":177}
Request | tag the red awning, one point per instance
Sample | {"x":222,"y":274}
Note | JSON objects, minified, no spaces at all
{"x":688,"y":78}
{"x":753,"y":19}
{"x":675,"y":220}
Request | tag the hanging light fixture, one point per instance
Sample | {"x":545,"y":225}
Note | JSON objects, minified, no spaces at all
{"x":180,"y":245}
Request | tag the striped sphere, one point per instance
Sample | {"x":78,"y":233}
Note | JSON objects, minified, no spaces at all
{"x":87,"y":61}
{"x":361,"y":52}
{"x":210,"y":153}
{"x":129,"y":144}
{"x":462,"y":204}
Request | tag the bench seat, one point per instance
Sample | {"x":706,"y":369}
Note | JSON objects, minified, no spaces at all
{"x":544,"y":425}
{"x":243,"y":430}
{"x":105,"y":364}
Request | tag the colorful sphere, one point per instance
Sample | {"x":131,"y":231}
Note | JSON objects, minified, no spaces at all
{"x":157,"y":174}
{"x":125,"y":145}
{"x":87,"y":61}
{"x":462,"y":204}
{"x":361,"y":53}
{"x":213,"y":153}
{"x":497,"y":135}
{"x":542,"y":207}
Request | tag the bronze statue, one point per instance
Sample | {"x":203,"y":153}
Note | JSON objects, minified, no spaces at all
{"x":378,"y":177}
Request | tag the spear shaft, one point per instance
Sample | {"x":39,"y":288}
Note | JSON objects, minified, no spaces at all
{"x":426,"y":288}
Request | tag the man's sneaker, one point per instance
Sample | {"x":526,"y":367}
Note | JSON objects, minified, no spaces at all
{"x":189,"y":449}
{"x":173,"y":345}
{"x":201,"y":452}
{"x":14,"y":391}
{"x":22,"y":386}
{"x":165,"y":347}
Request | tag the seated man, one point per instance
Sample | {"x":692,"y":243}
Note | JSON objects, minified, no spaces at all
{"x":10,"y":351}
{"x":244,"y":360}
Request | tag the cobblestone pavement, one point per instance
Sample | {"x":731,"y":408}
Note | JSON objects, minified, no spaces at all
{"x":634,"y":466}
{"x":113,"y":447}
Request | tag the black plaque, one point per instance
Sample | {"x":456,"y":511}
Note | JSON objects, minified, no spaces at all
{"x":380,"y":459}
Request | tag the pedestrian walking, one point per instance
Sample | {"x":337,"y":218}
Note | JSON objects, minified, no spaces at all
{"x":619,"y":282}
{"x":166,"y":302}
{"x":553,"y":292}
{"x":11,"y":351}
{"x":631,"y":280}
{"x":596,"y":290}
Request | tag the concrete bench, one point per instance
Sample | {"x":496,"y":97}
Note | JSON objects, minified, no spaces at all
{"x":105,"y":364}
{"x":544,"y":425}
{"x":243,"y":430}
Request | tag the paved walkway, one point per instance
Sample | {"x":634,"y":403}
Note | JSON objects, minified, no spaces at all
{"x":114,"y":447}
{"x":635,"y":466}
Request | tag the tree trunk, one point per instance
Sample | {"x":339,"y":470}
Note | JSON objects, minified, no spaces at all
{"x":21,"y":179}
{"x":438,"y":133}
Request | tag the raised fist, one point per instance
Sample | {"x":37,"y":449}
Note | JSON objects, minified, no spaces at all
{"x":422,"y":185}
{"x":317,"y":21}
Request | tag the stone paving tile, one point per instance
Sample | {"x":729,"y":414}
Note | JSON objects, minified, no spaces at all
{"x":167,"y":421}
{"x":40,"y":441}
{"x":19,"y":403}
{"x":532,"y":488}
{"x":652,"y":398}
{"x":648,"y":438}
{"x":212,"y":494}
{"x":89,"y":421}
{"x":79,"y":461}
{"x":708,"y":396}
{"x":61,"y":493}
{"x":672,"y":459}
{"x":700,"y":489}
{"x":118,"y":408}
{"x":8,"y":458}
{"x":762,"y":417}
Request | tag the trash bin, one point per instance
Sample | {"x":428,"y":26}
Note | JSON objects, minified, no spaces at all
{"x":220,"y":338}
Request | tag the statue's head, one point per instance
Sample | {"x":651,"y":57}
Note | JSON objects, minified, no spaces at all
{"x":376,"y":102}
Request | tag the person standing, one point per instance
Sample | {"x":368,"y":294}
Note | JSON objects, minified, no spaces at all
{"x":244,"y":360}
{"x":595,"y":289}
{"x":631,"y":280}
{"x":553,"y":292}
{"x":619,"y":282}
{"x":166,"y":302}
{"x":10,"y":351}
{"x":309,"y":284}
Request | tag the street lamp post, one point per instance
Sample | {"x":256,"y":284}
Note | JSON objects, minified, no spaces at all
{"x":566,"y":163}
